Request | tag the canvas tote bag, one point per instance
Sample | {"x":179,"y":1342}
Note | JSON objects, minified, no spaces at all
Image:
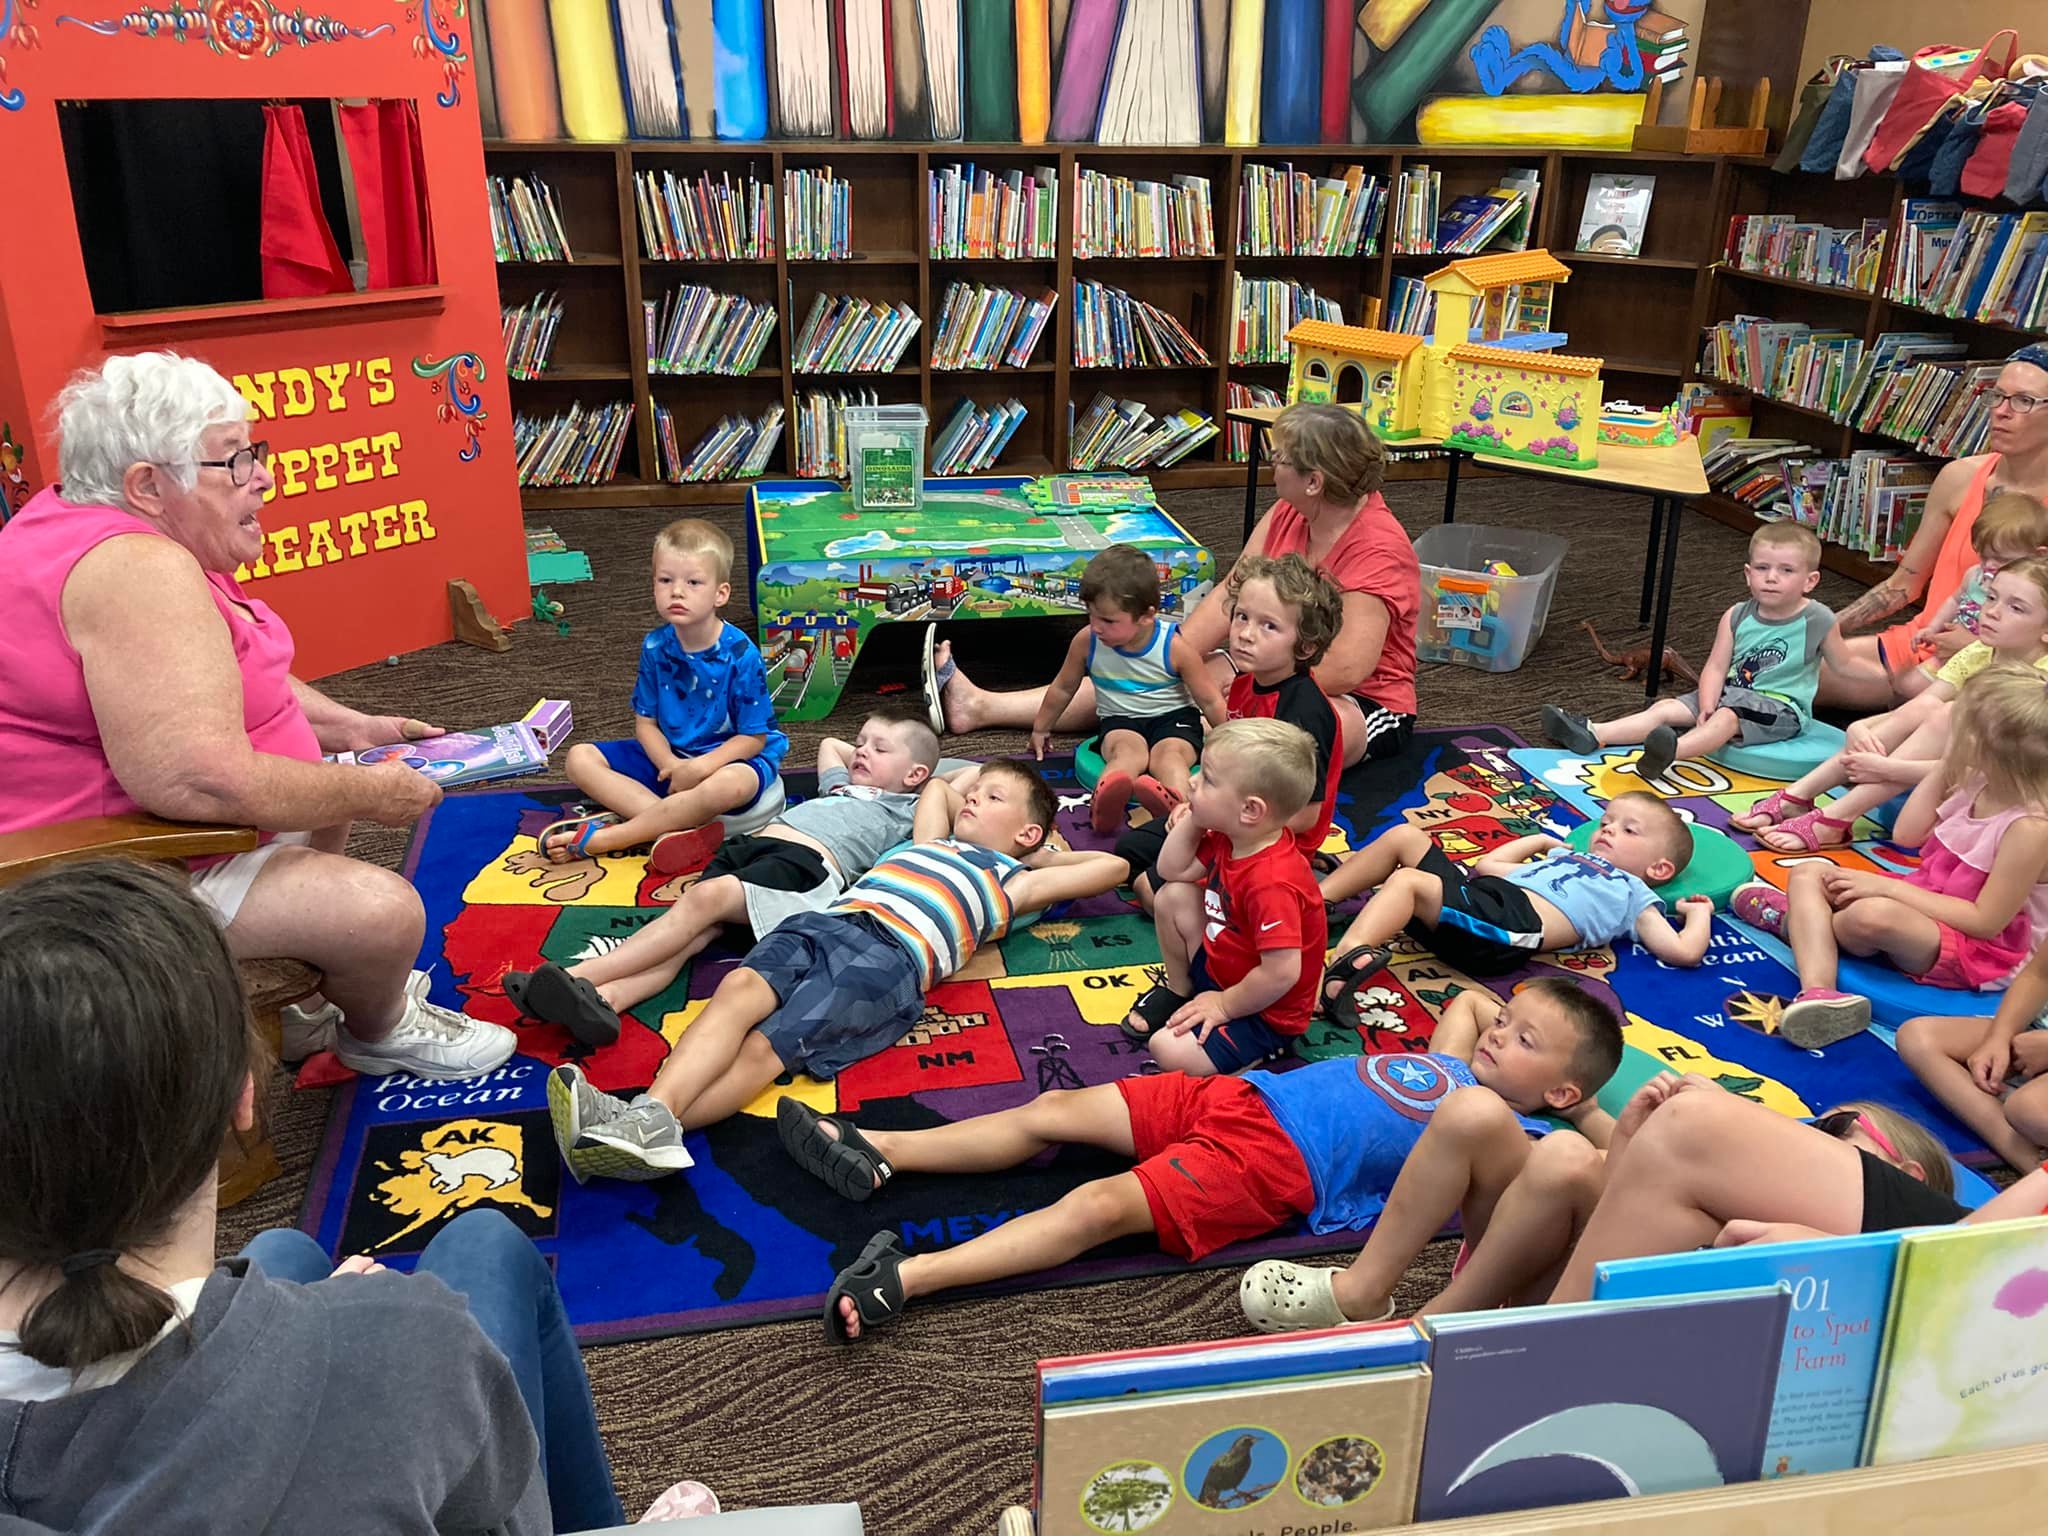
{"x":1933,"y":75}
{"x":1876,"y":88}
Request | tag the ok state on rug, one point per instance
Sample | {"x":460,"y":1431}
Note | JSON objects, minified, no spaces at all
{"x":744,"y":1236}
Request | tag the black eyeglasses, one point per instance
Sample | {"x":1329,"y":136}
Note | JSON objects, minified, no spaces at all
{"x":2022,"y":405}
{"x":240,"y":464}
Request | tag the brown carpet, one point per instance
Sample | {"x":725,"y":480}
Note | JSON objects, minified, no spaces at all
{"x":930,"y":1425}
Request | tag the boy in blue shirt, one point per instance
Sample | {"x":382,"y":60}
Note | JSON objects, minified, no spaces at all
{"x":1527,"y":897}
{"x":705,"y":741}
{"x":1226,"y":1158}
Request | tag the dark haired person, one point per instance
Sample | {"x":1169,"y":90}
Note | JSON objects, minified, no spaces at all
{"x":145,"y":1387}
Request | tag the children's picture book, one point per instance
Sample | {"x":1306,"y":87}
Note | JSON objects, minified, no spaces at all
{"x":1616,"y":210}
{"x":1226,"y":1362}
{"x":1840,"y":1287}
{"x":1558,"y":1405}
{"x":463,"y":757}
{"x":1965,"y":1363}
{"x":1331,"y":1452}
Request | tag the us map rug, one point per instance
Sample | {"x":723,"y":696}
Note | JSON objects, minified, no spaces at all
{"x":744,"y":1236}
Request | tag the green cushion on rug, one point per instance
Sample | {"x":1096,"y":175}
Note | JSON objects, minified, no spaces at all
{"x":1718,"y":866}
{"x":1792,"y":758}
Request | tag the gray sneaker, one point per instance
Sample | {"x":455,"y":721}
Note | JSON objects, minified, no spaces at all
{"x":602,"y":1136}
{"x":1570,"y":730}
{"x":430,"y":1042}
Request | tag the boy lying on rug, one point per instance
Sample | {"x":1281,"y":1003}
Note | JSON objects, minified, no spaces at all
{"x":866,"y":803}
{"x":1529,"y":896}
{"x":827,"y":989}
{"x":1224,"y":1159}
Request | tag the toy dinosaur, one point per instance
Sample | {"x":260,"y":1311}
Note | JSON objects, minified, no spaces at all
{"x":1633,"y":662}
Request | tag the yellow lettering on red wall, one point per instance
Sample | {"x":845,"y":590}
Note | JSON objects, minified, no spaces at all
{"x":377,"y":372}
{"x":320,"y":545}
{"x":390,"y":532}
{"x":353,"y":525}
{"x":333,"y":376}
{"x":297,"y":385}
{"x":284,"y":551}
{"x":417,"y":526}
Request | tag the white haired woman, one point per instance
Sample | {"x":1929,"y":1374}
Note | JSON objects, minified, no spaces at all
{"x":136,"y":675}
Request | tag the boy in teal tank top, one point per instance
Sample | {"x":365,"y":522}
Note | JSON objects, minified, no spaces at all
{"x":1759,"y":681}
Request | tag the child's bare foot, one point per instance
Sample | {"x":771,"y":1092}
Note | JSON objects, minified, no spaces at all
{"x":965,"y":705}
{"x":832,"y":1149}
{"x":869,"y":1292}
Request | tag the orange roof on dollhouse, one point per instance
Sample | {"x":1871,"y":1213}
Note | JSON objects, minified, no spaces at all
{"x":1499,"y":271}
{"x":1354,"y":339}
{"x":1536,"y":362}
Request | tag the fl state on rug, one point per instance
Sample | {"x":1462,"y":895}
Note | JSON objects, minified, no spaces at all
{"x":744,"y":1236}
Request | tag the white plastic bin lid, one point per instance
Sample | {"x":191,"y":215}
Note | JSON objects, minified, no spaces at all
{"x":895,"y":416}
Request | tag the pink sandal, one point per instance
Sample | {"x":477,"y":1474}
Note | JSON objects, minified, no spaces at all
{"x":1769,"y":811}
{"x":1806,"y":829}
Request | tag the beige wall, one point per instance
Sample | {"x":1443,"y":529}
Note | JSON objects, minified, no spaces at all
{"x":1851,"y":26}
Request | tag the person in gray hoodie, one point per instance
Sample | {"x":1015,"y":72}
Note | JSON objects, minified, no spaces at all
{"x":145,"y":1387}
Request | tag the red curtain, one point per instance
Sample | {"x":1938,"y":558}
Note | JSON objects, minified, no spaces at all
{"x":383,"y":141}
{"x":299,"y":255}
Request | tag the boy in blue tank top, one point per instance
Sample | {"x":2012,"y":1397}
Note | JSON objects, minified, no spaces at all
{"x":1223,"y":1159}
{"x":1152,"y":692}
{"x":1759,"y":680}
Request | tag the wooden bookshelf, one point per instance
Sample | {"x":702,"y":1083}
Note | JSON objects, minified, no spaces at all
{"x":1642,"y":314}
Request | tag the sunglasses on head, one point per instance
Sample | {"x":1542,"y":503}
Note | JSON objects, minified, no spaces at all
{"x":1841,"y":1122}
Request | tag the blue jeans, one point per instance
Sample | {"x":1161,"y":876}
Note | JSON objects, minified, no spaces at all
{"x":511,"y":1293}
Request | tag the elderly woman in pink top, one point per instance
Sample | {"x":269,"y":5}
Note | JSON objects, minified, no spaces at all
{"x":1327,"y":469}
{"x":136,"y":675}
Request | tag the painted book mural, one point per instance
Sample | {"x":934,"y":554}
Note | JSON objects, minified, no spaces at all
{"x":1563,"y":72}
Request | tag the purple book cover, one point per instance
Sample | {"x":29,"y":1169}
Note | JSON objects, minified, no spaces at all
{"x":1084,"y":61}
{"x":1557,"y":1405}
{"x":467,"y":757}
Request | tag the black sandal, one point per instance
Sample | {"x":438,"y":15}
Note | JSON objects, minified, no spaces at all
{"x":1159,"y":1004}
{"x":556,"y":997}
{"x":847,"y":1163}
{"x":514,"y":985}
{"x":874,"y":1283}
{"x":1345,"y":973}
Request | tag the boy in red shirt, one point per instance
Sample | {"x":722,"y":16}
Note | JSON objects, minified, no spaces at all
{"x":1240,"y":920}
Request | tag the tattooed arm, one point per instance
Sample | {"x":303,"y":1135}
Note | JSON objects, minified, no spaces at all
{"x":1898,"y":591}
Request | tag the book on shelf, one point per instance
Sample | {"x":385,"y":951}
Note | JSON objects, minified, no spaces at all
{"x":1965,"y":1364}
{"x":530,"y":334}
{"x":1239,"y":396}
{"x":1122,"y":216}
{"x":1711,"y":414}
{"x":979,"y":212}
{"x":1874,"y":500}
{"x":727,"y":219}
{"x":1615,"y":213}
{"x":699,"y":330}
{"x":846,"y":334}
{"x":733,"y":448}
{"x":1285,"y":212}
{"x":974,"y":437}
{"x":1411,"y":307}
{"x":1941,"y":406}
{"x":1112,"y":329}
{"x":1265,"y":309}
{"x":579,"y":446}
{"x":526,"y":220}
{"x":1526,"y":180}
{"x":1418,"y":191}
{"x":817,"y":214}
{"x":1994,"y":269}
{"x":819,"y":430}
{"x":1125,"y":434}
{"x":1925,"y":226}
{"x":1473,"y":222}
{"x":1537,"y":1406}
{"x":1778,"y":245}
{"x":981,"y":326}
{"x":1841,"y":1289}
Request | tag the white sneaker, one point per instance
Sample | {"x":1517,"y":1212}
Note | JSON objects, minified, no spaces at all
{"x":430,"y":1042}
{"x":309,"y":1031}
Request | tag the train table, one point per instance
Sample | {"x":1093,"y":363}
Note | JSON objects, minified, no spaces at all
{"x":825,"y":575}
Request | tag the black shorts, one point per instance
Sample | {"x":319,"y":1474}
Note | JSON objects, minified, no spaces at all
{"x":1387,"y":732}
{"x":1893,"y":1198}
{"x":1487,"y":925}
{"x":1175,"y":725}
{"x":773,"y":863}
{"x":1140,"y":847}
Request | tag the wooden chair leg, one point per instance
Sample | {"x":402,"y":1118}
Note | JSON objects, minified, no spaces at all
{"x":247,"y":1159}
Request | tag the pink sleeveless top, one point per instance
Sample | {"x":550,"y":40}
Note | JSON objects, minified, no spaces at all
{"x":52,"y":766}
{"x":1957,"y":857}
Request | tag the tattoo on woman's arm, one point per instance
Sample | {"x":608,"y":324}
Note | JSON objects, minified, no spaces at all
{"x":1888,"y":597}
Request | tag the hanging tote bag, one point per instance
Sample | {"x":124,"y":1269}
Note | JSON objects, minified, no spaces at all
{"x":1876,"y":88}
{"x":1933,"y":75}
{"x":2029,"y":170}
{"x":1813,"y":97}
{"x":1945,"y":177}
{"x":1824,"y":148}
{"x":1991,"y":162}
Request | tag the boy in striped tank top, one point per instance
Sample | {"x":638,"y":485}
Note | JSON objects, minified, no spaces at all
{"x":1151,"y":690}
{"x":826,"y":989}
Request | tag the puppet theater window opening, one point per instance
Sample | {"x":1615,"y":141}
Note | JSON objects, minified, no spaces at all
{"x":187,"y":202}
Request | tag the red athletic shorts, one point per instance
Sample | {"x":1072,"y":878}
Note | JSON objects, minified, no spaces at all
{"x":1215,"y":1165}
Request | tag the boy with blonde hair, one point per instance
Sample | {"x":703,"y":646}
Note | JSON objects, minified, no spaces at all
{"x":1240,"y":922}
{"x":705,"y":741}
{"x":1759,"y":680}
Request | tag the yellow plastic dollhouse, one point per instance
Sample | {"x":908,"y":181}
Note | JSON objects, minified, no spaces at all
{"x":1539,"y":406}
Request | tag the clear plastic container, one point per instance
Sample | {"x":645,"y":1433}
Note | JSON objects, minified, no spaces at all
{"x":885,"y":456}
{"x":1475,"y":617}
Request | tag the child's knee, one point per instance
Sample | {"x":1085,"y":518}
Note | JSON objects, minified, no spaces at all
{"x":1110,"y":1206}
{"x":1562,"y":1161}
{"x":1181,"y":1053}
{"x":1805,"y":879}
{"x":1409,"y":843}
{"x":1924,"y":1039}
{"x":583,"y":760}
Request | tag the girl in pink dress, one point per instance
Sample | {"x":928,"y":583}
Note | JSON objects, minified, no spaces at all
{"x":1976,"y":907}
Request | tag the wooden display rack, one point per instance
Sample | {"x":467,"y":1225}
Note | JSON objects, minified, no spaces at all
{"x":1703,"y":132}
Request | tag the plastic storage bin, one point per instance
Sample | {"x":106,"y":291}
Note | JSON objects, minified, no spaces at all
{"x":885,"y":456}
{"x":1481,"y":620}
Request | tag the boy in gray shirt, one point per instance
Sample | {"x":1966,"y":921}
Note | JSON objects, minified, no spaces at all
{"x":866,"y":801}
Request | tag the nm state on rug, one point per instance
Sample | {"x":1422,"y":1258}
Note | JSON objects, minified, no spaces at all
{"x":744,"y":1236}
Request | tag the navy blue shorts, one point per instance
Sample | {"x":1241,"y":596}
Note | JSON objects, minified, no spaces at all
{"x":844,"y":990}
{"x":1242,"y":1042}
{"x":628,"y":757}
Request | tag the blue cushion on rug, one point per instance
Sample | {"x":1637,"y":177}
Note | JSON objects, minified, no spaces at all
{"x":1972,"y":1188}
{"x":1894,"y":996}
{"x":1785,"y":760}
{"x":1718,"y":866}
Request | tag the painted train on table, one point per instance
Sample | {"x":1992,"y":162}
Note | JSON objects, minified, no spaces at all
{"x":1083,"y":71}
